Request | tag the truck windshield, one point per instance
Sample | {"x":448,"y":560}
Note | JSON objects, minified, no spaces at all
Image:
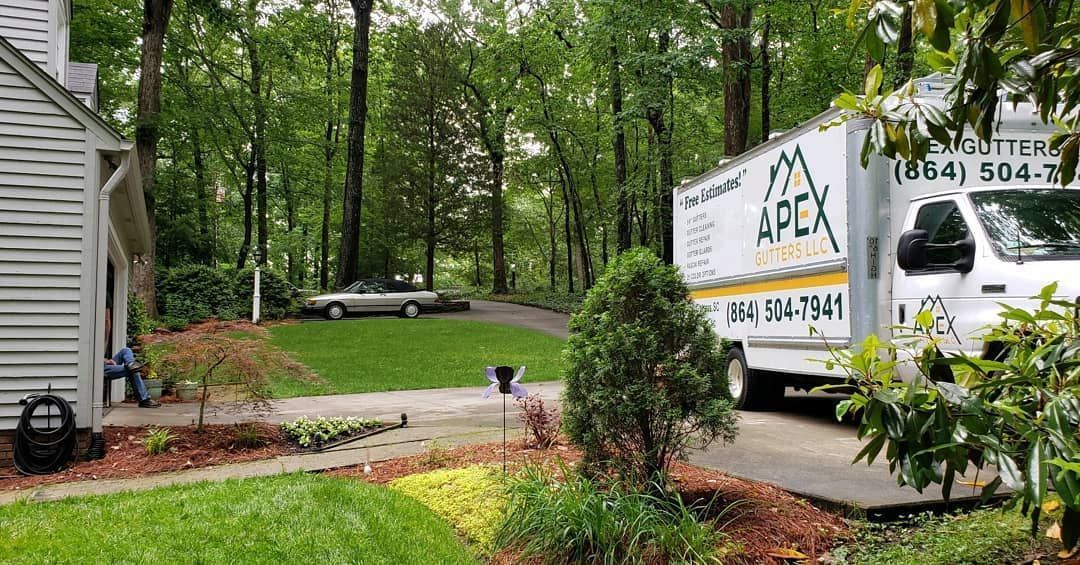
{"x":1031,"y":224}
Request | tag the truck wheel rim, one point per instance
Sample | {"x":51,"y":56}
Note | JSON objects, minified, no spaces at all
{"x":735,"y":375}
{"x":410,"y":310}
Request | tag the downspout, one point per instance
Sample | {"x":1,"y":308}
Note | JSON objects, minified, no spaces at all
{"x":97,"y":384}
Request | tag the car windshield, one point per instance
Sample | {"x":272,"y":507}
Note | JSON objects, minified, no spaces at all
{"x":1031,"y":224}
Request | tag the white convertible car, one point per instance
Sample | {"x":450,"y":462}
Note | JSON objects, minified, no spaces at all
{"x":370,"y":296}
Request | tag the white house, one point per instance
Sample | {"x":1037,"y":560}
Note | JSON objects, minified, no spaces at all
{"x":72,"y":220}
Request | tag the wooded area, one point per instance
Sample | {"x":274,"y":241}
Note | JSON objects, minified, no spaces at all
{"x":472,"y":143}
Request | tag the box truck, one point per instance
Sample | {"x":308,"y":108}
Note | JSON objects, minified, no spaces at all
{"x":797,"y":234}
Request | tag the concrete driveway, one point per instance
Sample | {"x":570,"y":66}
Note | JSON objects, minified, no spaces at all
{"x":801,"y":448}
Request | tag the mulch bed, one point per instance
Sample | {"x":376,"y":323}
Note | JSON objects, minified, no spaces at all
{"x":762,"y":518}
{"x":126,"y":455}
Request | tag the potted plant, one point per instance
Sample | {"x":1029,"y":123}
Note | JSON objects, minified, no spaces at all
{"x":185,"y":390}
{"x":153,"y":381}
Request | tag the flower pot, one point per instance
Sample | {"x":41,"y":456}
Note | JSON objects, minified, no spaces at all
{"x":186,"y":391}
{"x":153,"y":386}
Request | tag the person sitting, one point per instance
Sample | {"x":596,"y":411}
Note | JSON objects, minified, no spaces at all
{"x":124,"y":366}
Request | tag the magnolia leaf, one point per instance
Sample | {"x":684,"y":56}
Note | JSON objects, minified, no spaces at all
{"x":924,"y":319}
{"x":1009,"y":472}
{"x":1050,"y":506}
{"x":873,"y":81}
{"x":924,"y":16}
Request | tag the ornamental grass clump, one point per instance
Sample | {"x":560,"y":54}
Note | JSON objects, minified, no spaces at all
{"x":646,"y":374}
{"x":578,"y":520}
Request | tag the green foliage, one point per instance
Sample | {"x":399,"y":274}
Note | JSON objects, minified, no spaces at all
{"x":547,"y":299}
{"x":379,"y":354}
{"x":138,"y":319}
{"x":578,"y":521}
{"x":646,"y":372}
{"x":314,"y":433}
{"x":294,"y":518}
{"x":1019,"y":413}
{"x":194,"y":293}
{"x":981,"y":536}
{"x":472,"y":499}
{"x":1025,"y":48}
{"x":157,"y":440}
{"x":248,"y":436}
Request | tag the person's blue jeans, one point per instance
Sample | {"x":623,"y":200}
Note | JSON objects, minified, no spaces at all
{"x":120,"y":371}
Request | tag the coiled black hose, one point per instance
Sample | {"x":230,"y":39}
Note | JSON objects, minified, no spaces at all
{"x":40,"y":451}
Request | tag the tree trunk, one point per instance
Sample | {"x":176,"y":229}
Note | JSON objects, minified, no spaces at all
{"x":249,"y":190}
{"x":156,"y":14}
{"x":735,"y":20}
{"x":476,"y":264}
{"x":566,"y":233}
{"x":258,"y":145}
{"x":292,"y":262}
{"x":905,"y":58}
{"x":202,"y":196}
{"x":766,"y":77}
{"x":663,"y":134}
{"x":331,"y":137}
{"x":349,"y":250}
{"x":498,"y":256}
{"x":622,"y":208}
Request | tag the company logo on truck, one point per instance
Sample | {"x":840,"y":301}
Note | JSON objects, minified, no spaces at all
{"x":793,"y":223}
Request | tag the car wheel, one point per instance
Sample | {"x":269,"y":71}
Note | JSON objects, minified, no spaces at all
{"x":335,"y":311}
{"x":750,"y":389}
{"x":410,"y":310}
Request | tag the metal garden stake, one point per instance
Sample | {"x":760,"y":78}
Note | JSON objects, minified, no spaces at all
{"x":503,"y":378}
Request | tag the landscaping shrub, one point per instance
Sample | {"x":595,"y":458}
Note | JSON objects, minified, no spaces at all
{"x":193,"y":293}
{"x":138,"y":319}
{"x":646,"y":372}
{"x":541,"y":424}
{"x":471,"y":499}
{"x":319,"y":431}
{"x":556,"y":300}
{"x":1019,"y":414}
{"x":578,"y":521}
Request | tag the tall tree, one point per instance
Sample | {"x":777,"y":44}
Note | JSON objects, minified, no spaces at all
{"x":156,"y":15}
{"x":349,"y":250}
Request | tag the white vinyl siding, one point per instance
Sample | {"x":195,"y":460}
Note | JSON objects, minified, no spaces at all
{"x":42,"y":200}
{"x":25,"y":24}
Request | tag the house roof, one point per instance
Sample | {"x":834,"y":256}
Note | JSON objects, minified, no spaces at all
{"x":59,"y":94}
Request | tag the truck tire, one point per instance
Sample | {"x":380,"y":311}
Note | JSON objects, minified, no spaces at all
{"x":751,"y":389}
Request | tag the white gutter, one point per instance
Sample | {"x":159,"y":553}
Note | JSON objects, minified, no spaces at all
{"x":101,"y":252}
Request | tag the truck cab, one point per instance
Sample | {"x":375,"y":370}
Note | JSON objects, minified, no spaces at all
{"x":962,"y":252}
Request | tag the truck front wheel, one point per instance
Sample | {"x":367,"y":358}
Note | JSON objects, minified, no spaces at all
{"x":751,"y":389}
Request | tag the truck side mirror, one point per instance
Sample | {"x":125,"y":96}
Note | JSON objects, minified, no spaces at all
{"x":966,"y":247}
{"x":911,"y":250}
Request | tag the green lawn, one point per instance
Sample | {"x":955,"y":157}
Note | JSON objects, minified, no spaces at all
{"x":378,"y":354}
{"x":282,"y":519}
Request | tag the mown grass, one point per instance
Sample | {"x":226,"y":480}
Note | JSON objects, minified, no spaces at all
{"x":381,"y":354}
{"x":282,"y":519}
{"x":981,"y":536}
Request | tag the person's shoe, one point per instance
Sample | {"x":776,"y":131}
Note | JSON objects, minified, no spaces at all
{"x":149,"y":403}
{"x":135,"y":366}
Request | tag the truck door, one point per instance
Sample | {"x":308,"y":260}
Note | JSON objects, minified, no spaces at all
{"x":940,"y":286}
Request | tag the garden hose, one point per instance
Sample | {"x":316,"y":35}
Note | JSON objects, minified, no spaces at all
{"x":41,"y":451}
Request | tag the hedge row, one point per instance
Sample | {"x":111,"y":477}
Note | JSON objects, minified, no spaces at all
{"x":193,"y":293}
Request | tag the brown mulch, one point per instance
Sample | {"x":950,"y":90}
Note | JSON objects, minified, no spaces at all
{"x":126,"y":456}
{"x":759,"y":518}
{"x":208,"y":326}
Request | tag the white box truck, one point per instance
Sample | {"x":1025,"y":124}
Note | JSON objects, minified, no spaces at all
{"x":796,"y":233}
